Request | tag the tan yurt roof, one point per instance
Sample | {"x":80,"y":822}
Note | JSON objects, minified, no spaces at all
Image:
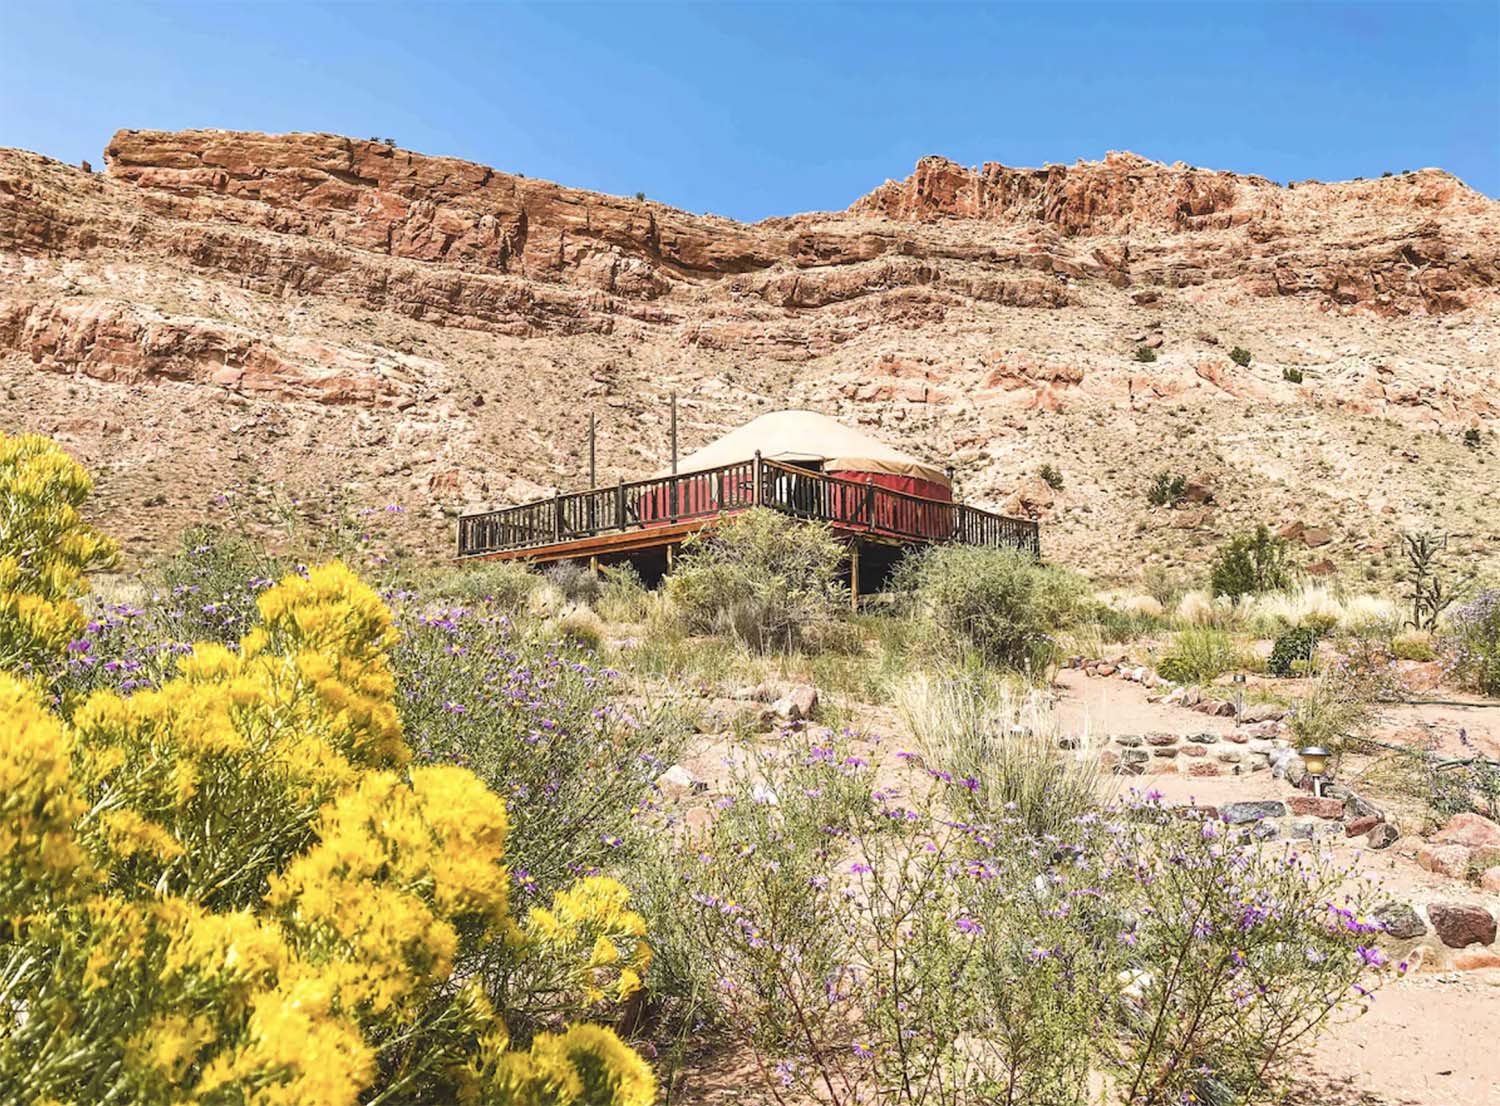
{"x":798,"y":436}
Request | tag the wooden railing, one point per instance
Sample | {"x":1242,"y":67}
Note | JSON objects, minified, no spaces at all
{"x":848,"y":505}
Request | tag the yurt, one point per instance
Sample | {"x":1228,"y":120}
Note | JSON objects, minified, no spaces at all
{"x":808,"y":440}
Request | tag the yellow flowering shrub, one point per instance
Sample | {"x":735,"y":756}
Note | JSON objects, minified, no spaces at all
{"x":232,"y":888}
{"x":590,"y":943}
{"x":45,"y":549}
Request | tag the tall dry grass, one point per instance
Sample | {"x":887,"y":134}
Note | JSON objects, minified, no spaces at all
{"x":1008,"y":740}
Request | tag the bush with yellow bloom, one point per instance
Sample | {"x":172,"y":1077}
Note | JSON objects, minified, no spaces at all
{"x":232,"y":887}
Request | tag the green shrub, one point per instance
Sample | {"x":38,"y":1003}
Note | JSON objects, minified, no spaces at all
{"x":1474,"y":642}
{"x":1051,"y":476}
{"x":1166,"y":489}
{"x":211,"y":583}
{"x":1415,"y":645}
{"x":1199,"y":655}
{"x":1145,"y":354}
{"x":1472,"y":437}
{"x":1292,"y":376}
{"x":761,"y":577}
{"x":999,"y":604}
{"x":1240,"y":356}
{"x":1025,"y":967}
{"x":502,"y":585}
{"x":1297,"y":645}
{"x":575,"y":580}
{"x":1250,"y":564}
{"x":623,"y":596}
{"x":1163,"y":585}
{"x":541,"y":723}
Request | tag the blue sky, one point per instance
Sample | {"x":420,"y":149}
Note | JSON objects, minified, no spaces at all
{"x":762,"y":109}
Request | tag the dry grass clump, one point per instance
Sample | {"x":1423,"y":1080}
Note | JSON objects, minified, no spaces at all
{"x":1007,"y":740}
{"x":580,"y":625}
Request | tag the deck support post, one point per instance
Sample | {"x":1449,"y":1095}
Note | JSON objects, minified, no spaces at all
{"x":755,"y":479}
{"x":557,"y":519}
{"x":620,"y":503}
{"x":671,"y":559}
{"x":854,"y":577}
{"x":594,"y":566}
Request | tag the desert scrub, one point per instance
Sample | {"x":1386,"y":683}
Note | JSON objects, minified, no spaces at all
{"x":501,"y":586}
{"x":1294,"y":652}
{"x":1166,"y":489}
{"x":1009,"y":742}
{"x":1240,"y":356}
{"x":543,"y":723}
{"x":1249,"y":564}
{"x":1145,"y":354}
{"x":1199,"y":655}
{"x":999,"y":605}
{"x":760,"y":577}
{"x":575,"y":580}
{"x":1473,"y":642}
{"x":623,"y":596}
{"x":235,"y":885}
{"x":207,"y":590}
{"x":905,"y":943}
{"x":1051,"y":476}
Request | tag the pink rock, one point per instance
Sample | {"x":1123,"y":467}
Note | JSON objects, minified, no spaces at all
{"x":1361,"y":825}
{"x":1462,"y":924}
{"x":1445,"y":860}
{"x":1473,"y":830}
{"x":1473,"y":959}
{"x":1313,"y":806}
{"x":1490,"y":881}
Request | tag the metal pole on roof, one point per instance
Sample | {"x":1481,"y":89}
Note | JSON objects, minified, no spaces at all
{"x":593,"y":471}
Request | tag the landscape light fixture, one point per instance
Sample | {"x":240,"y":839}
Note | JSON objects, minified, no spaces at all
{"x":1315,"y":757}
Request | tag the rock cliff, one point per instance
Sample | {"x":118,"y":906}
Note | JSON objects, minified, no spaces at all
{"x":233,"y":312}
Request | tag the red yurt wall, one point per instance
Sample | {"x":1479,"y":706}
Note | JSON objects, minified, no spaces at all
{"x":895,"y":515}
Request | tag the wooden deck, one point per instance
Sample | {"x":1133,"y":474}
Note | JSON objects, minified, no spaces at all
{"x":658,"y":513}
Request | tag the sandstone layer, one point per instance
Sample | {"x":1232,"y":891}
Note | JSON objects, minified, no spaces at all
{"x":307,"y":316}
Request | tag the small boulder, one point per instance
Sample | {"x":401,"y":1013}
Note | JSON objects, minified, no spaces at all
{"x":1203,"y":768}
{"x":1382,"y":836}
{"x":1161,"y":740}
{"x":1444,"y":860}
{"x":1204,"y":738}
{"x":1468,"y":829}
{"x":1359,"y":826}
{"x":1311,"y":806}
{"x":1490,"y":880}
{"x":1262,"y":712}
{"x":1239,"y":813}
{"x":677,"y":780}
{"x":1400,"y":920}
{"x":797,"y":705}
{"x":1128,"y":740}
{"x":1474,"y":959}
{"x":1461,"y":924}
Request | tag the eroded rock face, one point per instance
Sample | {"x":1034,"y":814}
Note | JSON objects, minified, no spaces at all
{"x":432,"y":332}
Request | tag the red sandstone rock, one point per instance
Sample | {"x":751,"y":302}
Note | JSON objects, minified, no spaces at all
{"x":1461,"y":924}
{"x":1468,"y":829}
{"x":1445,"y":860}
{"x":1312,"y":805}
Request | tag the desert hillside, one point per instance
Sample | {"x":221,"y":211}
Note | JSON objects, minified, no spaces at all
{"x":341,"y":319}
